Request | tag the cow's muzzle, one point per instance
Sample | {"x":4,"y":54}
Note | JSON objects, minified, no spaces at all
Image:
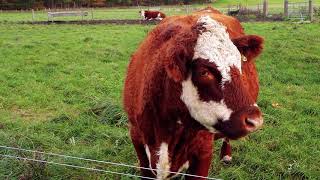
{"x":241,"y":123}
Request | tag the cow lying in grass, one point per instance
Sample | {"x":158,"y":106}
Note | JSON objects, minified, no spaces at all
{"x":151,"y":15}
{"x":192,"y":80}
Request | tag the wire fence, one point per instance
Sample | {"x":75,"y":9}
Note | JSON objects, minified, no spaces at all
{"x":254,"y":11}
{"x":73,"y":166}
{"x":131,"y":13}
{"x":88,"y":160}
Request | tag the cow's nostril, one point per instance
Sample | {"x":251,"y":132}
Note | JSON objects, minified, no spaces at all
{"x":250,"y":123}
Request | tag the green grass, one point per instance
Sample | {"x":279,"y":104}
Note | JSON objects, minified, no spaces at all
{"x":61,"y":92}
{"x":275,"y":7}
{"x":98,"y":14}
{"x":288,"y":145}
{"x":14,"y":16}
{"x":51,"y":76}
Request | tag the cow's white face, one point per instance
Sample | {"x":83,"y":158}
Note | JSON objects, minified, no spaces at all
{"x":142,"y":14}
{"x":216,"y":64}
{"x":215,"y":45}
{"x":207,"y":113}
{"x":159,"y":17}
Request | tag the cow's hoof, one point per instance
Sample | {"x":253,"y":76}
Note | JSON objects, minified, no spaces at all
{"x":226,"y":159}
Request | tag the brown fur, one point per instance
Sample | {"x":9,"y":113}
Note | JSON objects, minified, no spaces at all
{"x":153,"y":88}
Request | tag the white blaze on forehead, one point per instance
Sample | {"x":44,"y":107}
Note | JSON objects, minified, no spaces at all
{"x":163,"y":165}
{"x":215,"y":45}
{"x":206,"y":113}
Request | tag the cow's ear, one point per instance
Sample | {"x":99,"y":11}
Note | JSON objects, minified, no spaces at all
{"x":178,"y":52}
{"x":176,"y":62}
{"x":249,"y":45}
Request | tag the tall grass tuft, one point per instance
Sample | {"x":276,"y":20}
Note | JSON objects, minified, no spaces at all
{"x":110,"y":113}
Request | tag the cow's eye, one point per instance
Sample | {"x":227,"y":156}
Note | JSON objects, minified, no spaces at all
{"x":204,"y":73}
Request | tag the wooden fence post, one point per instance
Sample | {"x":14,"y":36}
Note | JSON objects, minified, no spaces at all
{"x":32,"y":15}
{"x":265,"y":8}
{"x":91,"y":13}
{"x":286,"y":10}
{"x":311,"y":10}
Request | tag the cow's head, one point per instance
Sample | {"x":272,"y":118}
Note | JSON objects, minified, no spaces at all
{"x":217,"y":75}
{"x":142,"y":13}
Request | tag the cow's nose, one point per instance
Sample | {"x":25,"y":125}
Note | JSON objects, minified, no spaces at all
{"x":252,"y":119}
{"x":252,"y":124}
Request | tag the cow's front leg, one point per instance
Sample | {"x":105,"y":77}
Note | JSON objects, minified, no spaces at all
{"x":141,"y":153}
{"x":199,"y":167}
{"x":143,"y":159}
{"x":225,"y":154}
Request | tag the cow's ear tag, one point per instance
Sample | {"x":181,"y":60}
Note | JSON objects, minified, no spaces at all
{"x":243,"y":58}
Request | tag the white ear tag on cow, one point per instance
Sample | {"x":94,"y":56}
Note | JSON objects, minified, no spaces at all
{"x":243,"y":58}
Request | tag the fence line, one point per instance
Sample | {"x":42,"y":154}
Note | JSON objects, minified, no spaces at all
{"x":73,"y":166}
{"x":98,"y":161}
{"x":258,"y":11}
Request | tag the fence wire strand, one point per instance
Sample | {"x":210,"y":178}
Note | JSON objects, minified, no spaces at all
{"x":92,"y":160}
{"x":74,"y":166}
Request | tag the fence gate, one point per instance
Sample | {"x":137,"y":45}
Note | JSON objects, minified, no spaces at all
{"x":298,"y":10}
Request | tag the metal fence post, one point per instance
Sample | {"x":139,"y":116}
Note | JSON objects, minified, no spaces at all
{"x":311,"y":10}
{"x":265,"y":8}
{"x":286,"y":6}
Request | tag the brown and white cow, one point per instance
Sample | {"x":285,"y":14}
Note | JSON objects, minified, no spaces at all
{"x":191,"y":79}
{"x":151,"y":15}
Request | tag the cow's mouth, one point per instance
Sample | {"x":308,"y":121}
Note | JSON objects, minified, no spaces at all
{"x":238,"y":127}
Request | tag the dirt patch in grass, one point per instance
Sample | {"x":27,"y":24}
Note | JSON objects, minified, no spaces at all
{"x":28,"y":114}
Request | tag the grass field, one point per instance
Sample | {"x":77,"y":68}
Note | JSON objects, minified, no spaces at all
{"x":61,"y":92}
{"x":275,"y":7}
